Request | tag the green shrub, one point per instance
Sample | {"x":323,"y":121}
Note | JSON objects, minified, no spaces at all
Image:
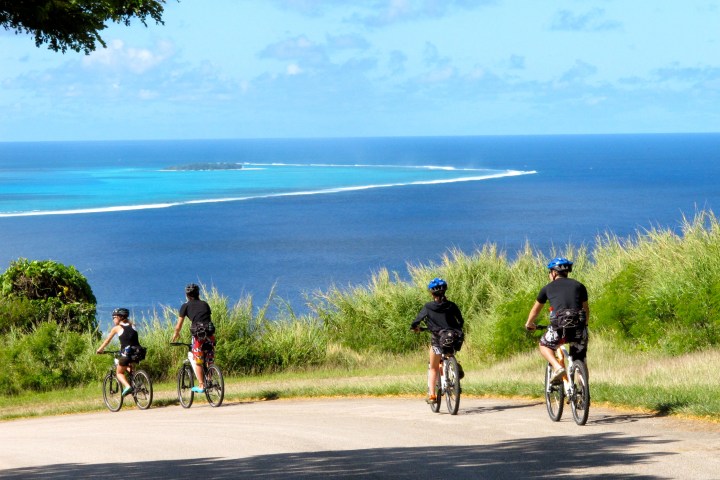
{"x":48,"y":357}
{"x":32,"y":292}
{"x":507,"y":332}
{"x":376,"y":317}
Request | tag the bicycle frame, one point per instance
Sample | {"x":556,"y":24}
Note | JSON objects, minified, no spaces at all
{"x":575,"y":388}
{"x":138,"y":379}
{"x":448,"y":382}
{"x":212,"y":379}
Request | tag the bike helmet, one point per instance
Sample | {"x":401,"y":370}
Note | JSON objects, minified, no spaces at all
{"x":560,"y":264}
{"x":121,"y":312}
{"x":192,"y":290}
{"x":437,"y":286}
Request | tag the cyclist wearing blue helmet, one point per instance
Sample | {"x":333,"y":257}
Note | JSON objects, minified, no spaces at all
{"x":569,"y":314}
{"x":439,"y":314}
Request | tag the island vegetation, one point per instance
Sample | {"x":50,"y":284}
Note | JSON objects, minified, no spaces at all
{"x":655,"y":332}
{"x":207,"y":166}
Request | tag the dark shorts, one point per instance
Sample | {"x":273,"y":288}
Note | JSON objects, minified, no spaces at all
{"x":578,"y":336}
{"x":124,"y":360}
{"x":204,"y":350}
{"x":439,"y":347}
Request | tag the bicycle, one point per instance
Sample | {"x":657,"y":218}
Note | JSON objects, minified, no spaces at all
{"x":574,"y":388}
{"x":212,"y":376}
{"x":142,"y":389}
{"x":448,"y":382}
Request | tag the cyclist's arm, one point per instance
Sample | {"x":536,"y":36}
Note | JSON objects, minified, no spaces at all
{"x":178,"y":327}
{"x":586,"y":307}
{"x":415,"y":325}
{"x":534,"y":312}
{"x":460,"y":319}
{"x":112,"y":333}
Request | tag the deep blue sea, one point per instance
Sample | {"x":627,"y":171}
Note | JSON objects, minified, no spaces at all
{"x":301,"y":215}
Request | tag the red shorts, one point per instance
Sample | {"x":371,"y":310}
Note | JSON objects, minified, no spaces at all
{"x":204,"y":350}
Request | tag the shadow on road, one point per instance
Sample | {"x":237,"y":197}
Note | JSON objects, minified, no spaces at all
{"x":522,"y":458}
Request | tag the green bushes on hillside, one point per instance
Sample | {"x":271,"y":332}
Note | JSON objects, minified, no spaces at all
{"x":658,"y":291}
{"x":662,"y":289}
{"x":32,"y":292}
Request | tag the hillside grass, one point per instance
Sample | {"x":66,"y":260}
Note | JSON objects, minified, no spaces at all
{"x":686,"y":385}
{"x":655,"y":328}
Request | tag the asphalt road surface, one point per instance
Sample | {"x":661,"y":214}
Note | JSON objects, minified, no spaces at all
{"x":358,"y":438}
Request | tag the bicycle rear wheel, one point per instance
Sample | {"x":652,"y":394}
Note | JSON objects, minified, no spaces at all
{"x":185,"y":382}
{"x":580,"y":402}
{"x":452,"y":385}
{"x":554,"y":396}
{"x":112,"y":392}
{"x":214,"y":386}
{"x":142,"y":390}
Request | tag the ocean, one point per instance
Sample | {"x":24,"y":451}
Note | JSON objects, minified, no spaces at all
{"x":299,"y":216}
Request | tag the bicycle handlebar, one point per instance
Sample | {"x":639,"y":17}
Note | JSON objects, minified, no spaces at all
{"x":539,"y":327}
{"x":178,"y":344}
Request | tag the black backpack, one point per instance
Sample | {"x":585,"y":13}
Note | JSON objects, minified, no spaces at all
{"x":137,"y":353}
{"x":451,"y":338}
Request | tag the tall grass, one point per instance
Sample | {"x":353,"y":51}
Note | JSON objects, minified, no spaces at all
{"x":657,"y":292}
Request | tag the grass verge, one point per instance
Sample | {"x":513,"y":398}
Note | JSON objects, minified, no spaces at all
{"x":686,"y":386}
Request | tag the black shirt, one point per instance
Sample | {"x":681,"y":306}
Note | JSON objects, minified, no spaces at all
{"x":563,"y":293}
{"x":440,"y":316}
{"x":198,"y":311}
{"x":129,"y":336}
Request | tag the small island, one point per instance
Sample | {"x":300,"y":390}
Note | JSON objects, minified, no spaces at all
{"x":207,"y":166}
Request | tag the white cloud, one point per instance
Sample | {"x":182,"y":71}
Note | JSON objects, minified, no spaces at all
{"x":118,"y":56}
{"x":293,"y":69}
{"x":591,"y":21}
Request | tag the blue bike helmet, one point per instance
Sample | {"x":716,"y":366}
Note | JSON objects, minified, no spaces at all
{"x":437,"y":286}
{"x":560,"y":264}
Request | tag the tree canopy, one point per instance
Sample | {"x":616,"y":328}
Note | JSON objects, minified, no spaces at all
{"x":74,"y":24}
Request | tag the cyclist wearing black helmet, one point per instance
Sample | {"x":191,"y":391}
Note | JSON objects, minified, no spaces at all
{"x":129,"y":344}
{"x":569,"y":314}
{"x":439,"y":314}
{"x":202,"y":330}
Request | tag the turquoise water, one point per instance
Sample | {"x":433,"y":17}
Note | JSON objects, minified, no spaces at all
{"x":66,"y":191}
{"x":436,"y":196}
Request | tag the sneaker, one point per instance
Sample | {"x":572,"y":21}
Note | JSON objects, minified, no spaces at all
{"x":556,"y":376}
{"x":431,"y":399}
{"x":461,"y":372}
{"x":126,"y":391}
{"x":198,"y":390}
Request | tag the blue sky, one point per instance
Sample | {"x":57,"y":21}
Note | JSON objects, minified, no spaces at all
{"x":311,"y":68}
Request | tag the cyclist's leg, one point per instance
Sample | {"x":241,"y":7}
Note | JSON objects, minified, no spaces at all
{"x":120,"y":372}
{"x":549,"y":342}
{"x":433,"y":369}
{"x":199,"y":360}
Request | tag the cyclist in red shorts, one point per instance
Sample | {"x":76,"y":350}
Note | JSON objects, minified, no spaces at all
{"x":202,"y":330}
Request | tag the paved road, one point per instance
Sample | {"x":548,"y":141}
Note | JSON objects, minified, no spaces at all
{"x":357,"y":438}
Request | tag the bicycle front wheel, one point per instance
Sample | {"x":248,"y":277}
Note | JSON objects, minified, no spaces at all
{"x":143,"y":390}
{"x":185,"y":382}
{"x":214,"y":386}
{"x":112,"y":392}
{"x":580,"y":402}
{"x":554,"y":396}
{"x":435,"y":406}
{"x":452,"y":385}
